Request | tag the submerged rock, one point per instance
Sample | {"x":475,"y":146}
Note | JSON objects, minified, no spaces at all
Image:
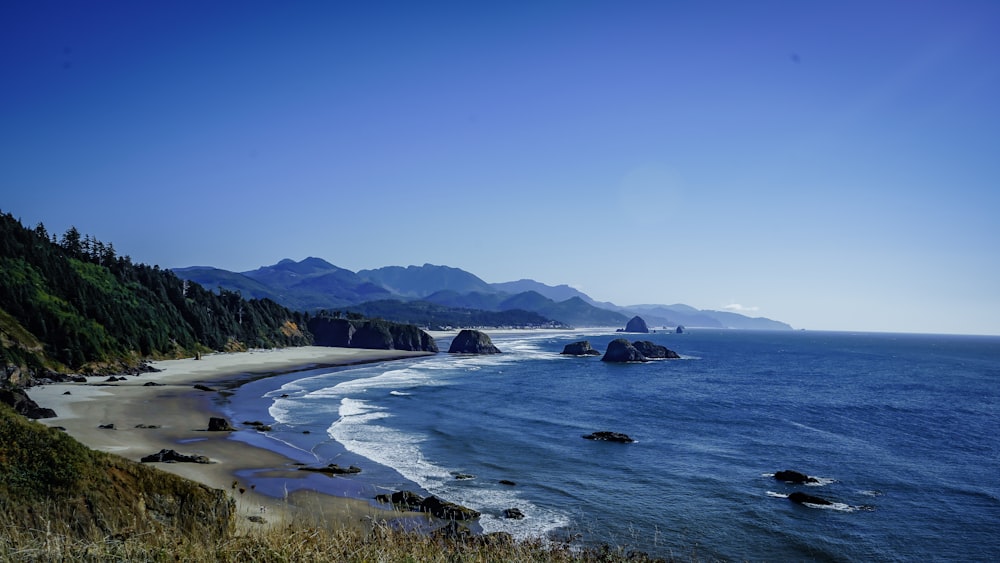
{"x":333,"y":469}
{"x":605,"y":436}
{"x":803,"y":498}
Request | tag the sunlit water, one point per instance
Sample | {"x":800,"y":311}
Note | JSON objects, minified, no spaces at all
{"x":901,"y":430}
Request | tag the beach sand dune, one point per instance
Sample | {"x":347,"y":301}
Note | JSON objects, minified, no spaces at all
{"x":176,"y":417}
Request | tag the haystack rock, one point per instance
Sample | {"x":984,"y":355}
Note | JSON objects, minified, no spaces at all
{"x":472,"y":342}
{"x":636,"y":324}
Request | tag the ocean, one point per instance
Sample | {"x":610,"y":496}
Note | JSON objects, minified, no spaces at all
{"x":901,"y":431}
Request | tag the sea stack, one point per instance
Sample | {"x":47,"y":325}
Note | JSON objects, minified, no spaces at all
{"x":636,"y":324}
{"x":472,"y":342}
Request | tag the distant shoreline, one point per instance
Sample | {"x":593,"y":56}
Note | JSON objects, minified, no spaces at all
{"x":180,"y":413}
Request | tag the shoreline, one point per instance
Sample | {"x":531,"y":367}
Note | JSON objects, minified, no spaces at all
{"x":179,"y":415}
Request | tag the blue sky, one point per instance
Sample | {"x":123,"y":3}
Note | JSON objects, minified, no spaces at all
{"x":834,"y":165}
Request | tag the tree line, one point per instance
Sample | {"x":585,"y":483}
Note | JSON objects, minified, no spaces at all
{"x":87,"y":305}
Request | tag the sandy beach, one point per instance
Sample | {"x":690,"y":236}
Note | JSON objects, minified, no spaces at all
{"x":180,"y":415}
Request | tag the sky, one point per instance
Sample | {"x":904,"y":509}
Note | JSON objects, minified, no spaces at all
{"x":831,"y":164}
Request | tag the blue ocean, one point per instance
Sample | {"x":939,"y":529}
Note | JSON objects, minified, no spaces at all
{"x":901,"y":431}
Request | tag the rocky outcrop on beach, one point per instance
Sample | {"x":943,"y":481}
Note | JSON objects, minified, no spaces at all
{"x":408,"y":500}
{"x":333,"y":469}
{"x":218,"y":424}
{"x":24,"y":405}
{"x":636,"y":324}
{"x":606,"y":436}
{"x":795,"y":477}
{"x":172,"y":456}
{"x":581,"y":348}
{"x":621,"y":350}
{"x":471,"y":341}
{"x":375,"y":334}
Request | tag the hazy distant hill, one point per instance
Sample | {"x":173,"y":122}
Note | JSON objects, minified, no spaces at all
{"x":555,"y":293}
{"x":313,"y":284}
{"x":421,"y":281}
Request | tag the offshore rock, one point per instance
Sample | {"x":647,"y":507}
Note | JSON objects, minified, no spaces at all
{"x":636,"y":324}
{"x":581,"y":348}
{"x":621,"y":350}
{"x":605,"y":436}
{"x":472,"y":342}
{"x":654,"y":351}
{"x":790,"y":476}
{"x":803,"y":498}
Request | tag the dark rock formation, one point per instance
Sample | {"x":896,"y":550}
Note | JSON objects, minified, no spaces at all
{"x":201,"y":387}
{"x":409,"y":500}
{"x":680,"y":329}
{"x":654,"y":351}
{"x":171,"y":456}
{"x":152,"y":384}
{"x":217,"y":424}
{"x":464,"y":476}
{"x":581,"y":348}
{"x":636,"y":324}
{"x":513,"y":513}
{"x":147,"y":426}
{"x":472,"y":342}
{"x":507,"y":482}
{"x":802,"y":498}
{"x":22,"y":404}
{"x":333,"y":469}
{"x":106,"y":426}
{"x":621,"y":350}
{"x":448,"y":510}
{"x":606,"y":436}
{"x":374,"y":334}
{"x":790,"y":476}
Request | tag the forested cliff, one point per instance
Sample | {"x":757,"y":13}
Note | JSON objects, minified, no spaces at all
{"x":71,"y":303}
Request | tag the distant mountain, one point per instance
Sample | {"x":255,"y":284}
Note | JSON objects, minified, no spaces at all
{"x":421,"y":281}
{"x":555,"y":293}
{"x":314,"y":284}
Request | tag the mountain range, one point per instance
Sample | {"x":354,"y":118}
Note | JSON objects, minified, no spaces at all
{"x":399,"y":293}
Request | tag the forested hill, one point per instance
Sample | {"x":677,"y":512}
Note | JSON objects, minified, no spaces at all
{"x":70,"y":303}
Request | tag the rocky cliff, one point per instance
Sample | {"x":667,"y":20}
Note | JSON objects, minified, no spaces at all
{"x":375,"y":334}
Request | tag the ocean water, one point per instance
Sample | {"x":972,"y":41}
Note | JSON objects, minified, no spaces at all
{"x":902,"y":431}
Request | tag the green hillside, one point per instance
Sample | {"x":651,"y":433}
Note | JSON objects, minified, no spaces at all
{"x":71,"y":303}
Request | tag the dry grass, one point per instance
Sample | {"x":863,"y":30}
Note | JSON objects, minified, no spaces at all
{"x":289,"y":543}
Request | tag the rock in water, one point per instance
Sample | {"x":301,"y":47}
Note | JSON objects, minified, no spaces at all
{"x":636,"y":324}
{"x":605,"y":436}
{"x":803,"y":498}
{"x":654,"y":351}
{"x":621,"y":350}
{"x":790,"y":476}
{"x":581,"y":348}
{"x":472,"y":342}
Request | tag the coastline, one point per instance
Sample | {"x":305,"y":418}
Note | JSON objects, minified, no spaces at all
{"x":180,"y":414}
